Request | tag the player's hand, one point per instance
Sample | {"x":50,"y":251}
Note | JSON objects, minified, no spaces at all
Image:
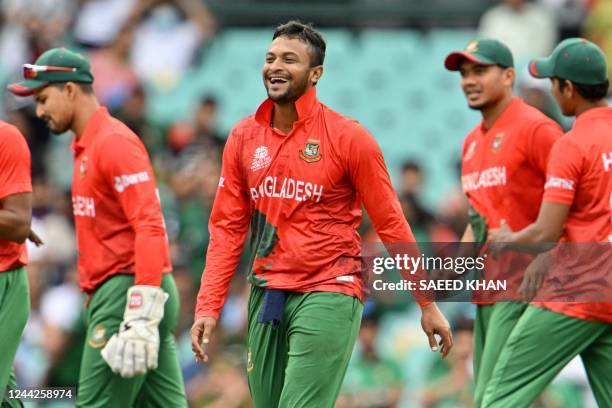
{"x":498,"y":238}
{"x":35,"y":239}
{"x":135,"y":349}
{"x":534,"y":277}
{"x":200,"y":336}
{"x":433,"y":322}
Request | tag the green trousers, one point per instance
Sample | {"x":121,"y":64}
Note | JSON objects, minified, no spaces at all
{"x":540,"y":345}
{"x":98,"y":385}
{"x":14,"y":311}
{"x":492,"y":327}
{"x":302,"y":362}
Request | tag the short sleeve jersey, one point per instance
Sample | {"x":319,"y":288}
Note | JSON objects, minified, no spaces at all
{"x":579,"y":175}
{"x":503,"y":176}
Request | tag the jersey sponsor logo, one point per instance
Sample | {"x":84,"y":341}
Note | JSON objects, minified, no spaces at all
{"x":311,"y":153}
{"x":126,"y":180}
{"x":288,"y":188}
{"x":83,"y":206}
{"x":261,"y":158}
{"x":470,"y":151}
{"x":491,"y":177}
{"x":558,"y":182}
{"x":345,"y":278}
{"x":221,"y":182}
{"x":83,"y":167}
{"x":497,"y":141}
{"x":607,"y":161}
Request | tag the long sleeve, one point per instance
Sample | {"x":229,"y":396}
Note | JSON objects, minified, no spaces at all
{"x":368,"y":173}
{"x":228,"y":226}
{"x":129,"y":170}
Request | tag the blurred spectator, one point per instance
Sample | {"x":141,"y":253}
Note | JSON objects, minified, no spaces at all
{"x":64,"y":331}
{"x":451,"y":382}
{"x":30,"y":28}
{"x":115,"y":80}
{"x":536,"y":92}
{"x":133,"y":112}
{"x":371,"y":381}
{"x":167,"y":38}
{"x":528,"y":29}
{"x":569,"y":15}
{"x":598,"y":28}
{"x":99,"y":21}
{"x":412,"y":178}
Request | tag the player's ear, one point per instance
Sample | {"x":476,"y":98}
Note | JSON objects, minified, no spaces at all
{"x":315,"y":74}
{"x":509,"y":76}
{"x":71,"y":90}
{"x":569,"y":90}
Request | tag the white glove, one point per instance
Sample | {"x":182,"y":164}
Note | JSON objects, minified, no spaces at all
{"x":135,"y":348}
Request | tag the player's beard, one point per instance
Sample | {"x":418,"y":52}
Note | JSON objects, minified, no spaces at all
{"x":292,"y":93}
{"x":57,"y":127}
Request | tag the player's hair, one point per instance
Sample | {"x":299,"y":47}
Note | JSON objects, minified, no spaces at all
{"x":591,"y":93}
{"x":85,"y":88}
{"x":295,"y":29}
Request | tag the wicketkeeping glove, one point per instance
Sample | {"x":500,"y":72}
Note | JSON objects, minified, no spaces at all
{"x":134,"y":350}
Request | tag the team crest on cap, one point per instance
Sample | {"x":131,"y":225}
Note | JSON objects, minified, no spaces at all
{"x":472,"y":47}
{"x":312,"y":152}
{"x":497,"y":141}
{"x":83,"y":167}
{"x":98,"y":337}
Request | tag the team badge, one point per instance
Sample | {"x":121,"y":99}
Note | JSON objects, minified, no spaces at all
{"x":497,"y":141}
{"x":83,"y":167}
{"x":311,"y":153}
{"x":98,"y":337}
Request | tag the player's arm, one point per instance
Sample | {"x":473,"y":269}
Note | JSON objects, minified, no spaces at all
{"x":15,"y":186}
{"x":228,"y":226}
{"x":563,"y":175}
{"x":129,"y":174}
{"x":368,"y":173}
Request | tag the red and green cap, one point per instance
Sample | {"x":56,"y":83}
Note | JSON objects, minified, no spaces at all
{"x":485,"y":51}
{"x":575,"y":59}
{"x":54,"y":65}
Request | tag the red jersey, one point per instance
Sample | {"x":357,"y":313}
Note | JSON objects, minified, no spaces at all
{"x":503,"y":175}
{"x":118,"y":218}
{"x":579,"y":176}
{"x":15,"y":178}
{"x":301,"y":193}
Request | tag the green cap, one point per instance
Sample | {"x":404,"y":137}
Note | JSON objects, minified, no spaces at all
{"x":54,"y":65}
{"x":486,"y":51}
{"x":575,"y":59}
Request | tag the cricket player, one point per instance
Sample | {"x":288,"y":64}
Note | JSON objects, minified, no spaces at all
{"x":503,"y":173}
{"x":297,"y":173}
{"x":575,"y":209}
{"x":15,"y":218}
{"x":129,"y":358}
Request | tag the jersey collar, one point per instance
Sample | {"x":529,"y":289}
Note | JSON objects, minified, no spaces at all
{"x":602,"y":112}
{"x":305,"y":106}
{"x":507,"y":114}
{"x":91,"y":129}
